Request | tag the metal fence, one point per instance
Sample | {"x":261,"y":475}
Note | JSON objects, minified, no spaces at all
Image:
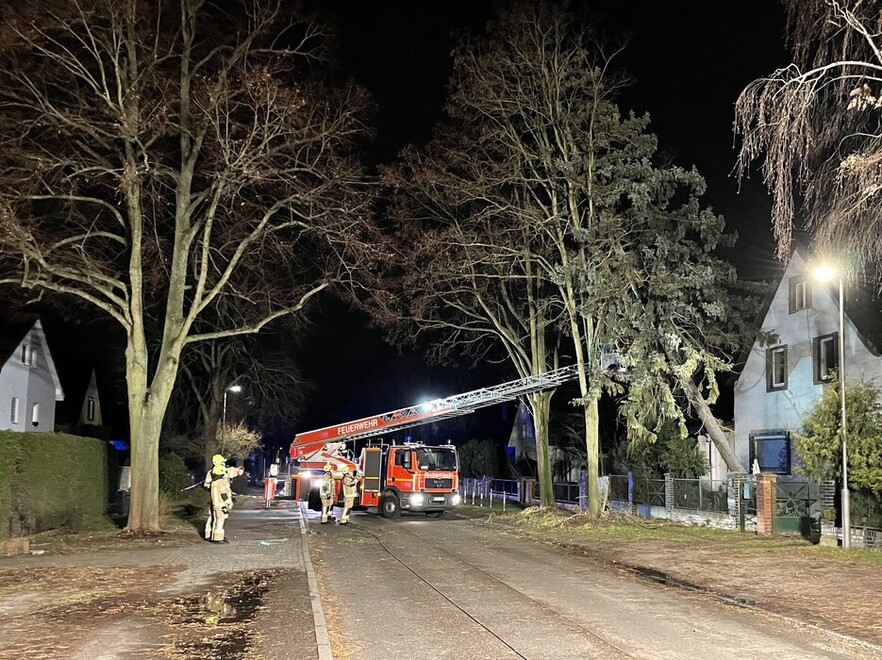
{"x":649,"y":491}
{"x":618,"y":488}
{"x":700,"y":495}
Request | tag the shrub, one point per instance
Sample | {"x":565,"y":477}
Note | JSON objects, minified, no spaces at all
{"x":173,"y":473}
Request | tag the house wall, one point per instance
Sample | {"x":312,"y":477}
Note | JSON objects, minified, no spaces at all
{"x":30,"y":384}
{"x":91,"y":393}
{"x":758,"y":410}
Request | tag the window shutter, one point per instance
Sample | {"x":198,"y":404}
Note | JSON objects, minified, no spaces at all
{"x":816,"y":359}
{"x":769,"y":365}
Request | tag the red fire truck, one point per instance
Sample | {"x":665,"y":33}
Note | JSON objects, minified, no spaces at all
{"x":395,"y":478}
{"x":401,"y":477}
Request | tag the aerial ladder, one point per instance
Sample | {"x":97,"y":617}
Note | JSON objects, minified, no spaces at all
{"x":412,"y":476}
{"x":330,"y":439}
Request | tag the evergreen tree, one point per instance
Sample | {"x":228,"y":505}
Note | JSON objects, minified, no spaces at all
{"x":820,"y":443}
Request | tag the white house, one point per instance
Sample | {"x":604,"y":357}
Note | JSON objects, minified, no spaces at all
{"x":90,"y":414}
{"x":783,"y":379}
{"x":29,"y":385}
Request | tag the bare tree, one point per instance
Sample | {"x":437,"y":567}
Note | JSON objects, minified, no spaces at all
{"x":466,"y":278}
{"x":158,"y":158}
{"x":536,"y":150}
{"x":816,"y":124}
{"x":274,"y":386}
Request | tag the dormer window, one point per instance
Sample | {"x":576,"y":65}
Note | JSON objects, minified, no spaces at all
{"x":800,"y":294}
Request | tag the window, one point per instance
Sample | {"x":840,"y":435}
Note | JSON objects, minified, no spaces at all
{"x":825,"y":356}
{"x":28,"y":355}
{"x":776,"y":368}
{"x":13,"y":411}
{"x":35,"y":414}
{"x":800,"y":295}
{"x":90,"y":409}
{"x":402,"y":458}
{"x":772,"y":451}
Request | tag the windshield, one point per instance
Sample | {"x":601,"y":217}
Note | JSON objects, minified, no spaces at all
{"x":436,"y":459}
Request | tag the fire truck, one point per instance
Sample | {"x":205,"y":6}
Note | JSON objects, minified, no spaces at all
{"x":401,"y":477}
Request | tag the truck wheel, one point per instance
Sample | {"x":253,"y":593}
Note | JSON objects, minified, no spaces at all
{"x":434,"y":514}
{"x":390,"y":507}
{"x":314,"y":501}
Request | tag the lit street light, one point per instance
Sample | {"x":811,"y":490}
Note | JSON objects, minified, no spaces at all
{"x":235,"y":389}
{"x":826,"y":273}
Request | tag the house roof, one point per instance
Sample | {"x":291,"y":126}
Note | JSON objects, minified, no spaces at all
{"x":14,"y":326}
{"x":863,"y":305}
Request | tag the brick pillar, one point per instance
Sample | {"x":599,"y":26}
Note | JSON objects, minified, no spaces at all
{"x":766,"y":502}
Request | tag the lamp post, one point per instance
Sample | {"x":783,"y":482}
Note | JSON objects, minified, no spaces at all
{"x":825,"y":274}
{"x":235,"y":389}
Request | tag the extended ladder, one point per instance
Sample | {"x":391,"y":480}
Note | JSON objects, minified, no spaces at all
{"x":432,"y":411}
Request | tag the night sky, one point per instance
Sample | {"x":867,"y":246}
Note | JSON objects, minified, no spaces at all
{"x":690,"y":59}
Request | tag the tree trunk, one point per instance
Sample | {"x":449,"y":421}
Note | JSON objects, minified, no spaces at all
{"x":716,"y":433}
{"x":144,"y":429}
{"x":209,"y":433}
{"x":592,"y":444}
{"x":147,"y":407}
{"x":541,"y":405}
{"x":592,"y":416}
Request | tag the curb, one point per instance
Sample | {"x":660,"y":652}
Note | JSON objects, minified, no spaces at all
{"x":322,"y":640}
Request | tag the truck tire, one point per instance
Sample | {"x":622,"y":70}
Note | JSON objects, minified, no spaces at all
{"x":390,"y":506}
{"x":314,"y":501}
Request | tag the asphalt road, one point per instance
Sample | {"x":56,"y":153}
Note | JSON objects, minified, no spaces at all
{"x":450,"y":588}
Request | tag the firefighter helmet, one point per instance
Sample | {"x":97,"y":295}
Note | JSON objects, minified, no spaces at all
{"x":217,"y":459}
{"x":328,"y":467}
{"x":345,"y":469}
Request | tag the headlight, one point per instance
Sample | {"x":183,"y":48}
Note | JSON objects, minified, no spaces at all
{"x":455,"y":499}
{"x":417,"y":499}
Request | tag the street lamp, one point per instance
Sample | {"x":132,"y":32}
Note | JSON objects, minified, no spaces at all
{"x":826,"y":273}
{"x":234,"y":389}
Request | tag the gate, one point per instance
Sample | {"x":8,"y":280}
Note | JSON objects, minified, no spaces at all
{"x":797,"y":510}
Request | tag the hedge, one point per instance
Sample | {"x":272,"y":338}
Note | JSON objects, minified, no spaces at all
{"x":50,"y":480}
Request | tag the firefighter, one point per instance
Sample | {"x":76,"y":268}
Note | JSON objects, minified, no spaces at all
{"x":326,"y":492}
{"x":350,"y":492}
{"x":221,"y":503}
{"x":216,"y":460}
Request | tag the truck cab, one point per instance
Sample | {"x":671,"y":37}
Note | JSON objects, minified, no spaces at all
{"x":410,"y":477}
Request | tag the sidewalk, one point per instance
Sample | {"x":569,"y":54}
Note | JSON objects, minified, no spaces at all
{"x":188,"y":599}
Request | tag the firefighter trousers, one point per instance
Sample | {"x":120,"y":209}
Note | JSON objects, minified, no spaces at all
{"x":214,"y":526}
{"x":327,"y":508}
{"x":348,"y":503}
